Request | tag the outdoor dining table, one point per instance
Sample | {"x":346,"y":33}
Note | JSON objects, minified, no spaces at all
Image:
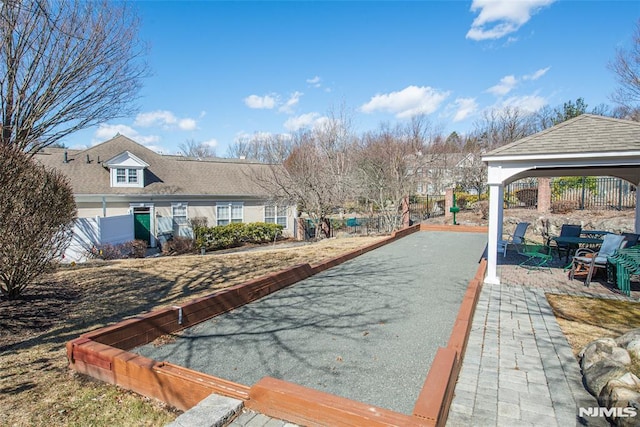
{"x":577,"y":241}
{"x":580,"y":240}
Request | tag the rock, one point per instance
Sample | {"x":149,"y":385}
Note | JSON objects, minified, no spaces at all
{"x":634,"y":348}
{"x":600,"y":373}
{"x":593,"y":345}
{"x":622,"y":397}
{"x":596,"y":351}
{"x":627,"y":381}
{"x":625,"y":339}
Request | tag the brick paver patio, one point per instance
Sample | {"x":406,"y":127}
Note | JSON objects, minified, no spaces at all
{"x":519,"y":369}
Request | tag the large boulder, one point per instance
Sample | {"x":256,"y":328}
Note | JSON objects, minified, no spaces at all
{"x":604,"y":348}
{"x":624,"y":340}
{"x":634,"y":348}
{"x":600,"y":373}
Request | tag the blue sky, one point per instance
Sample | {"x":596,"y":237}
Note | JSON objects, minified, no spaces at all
{"x":228,"y":70}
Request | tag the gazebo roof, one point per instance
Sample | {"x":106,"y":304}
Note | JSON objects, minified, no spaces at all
{"x":586,"y":133}
{"x":587,"y":145}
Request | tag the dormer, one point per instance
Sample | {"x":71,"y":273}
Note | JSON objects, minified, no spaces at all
{"x":126,"y":170}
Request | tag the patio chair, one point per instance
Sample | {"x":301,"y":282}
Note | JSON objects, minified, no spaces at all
{"x":566,"y":249}
{"x":537,"y":255}
{"x":588,"y":261}
{"x":515,"y":238}
{"x":631,"y":239}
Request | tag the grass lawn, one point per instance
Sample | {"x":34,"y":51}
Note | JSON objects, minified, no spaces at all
{"x":37,"y":388}
{"x":583,"y":319}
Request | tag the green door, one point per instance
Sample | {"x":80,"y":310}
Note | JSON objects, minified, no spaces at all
{"x":142,"y":226}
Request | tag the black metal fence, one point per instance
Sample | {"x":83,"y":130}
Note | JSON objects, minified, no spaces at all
{"x":605,"y":193}
{"x":425,"y":207}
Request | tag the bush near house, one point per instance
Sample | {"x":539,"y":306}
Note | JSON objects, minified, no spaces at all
{"x":527,"y":196}
{"x":235,"y":234}
{"x":132,"y":249}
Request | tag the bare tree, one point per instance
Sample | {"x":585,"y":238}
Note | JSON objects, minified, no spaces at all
{"x":36,"y":217}
{"x":389,"y":167}
{"x":191,"y":148}
{"x":626,"y":67}
{"x":317,"y":174}
{"x":65,"y":65}
{"x":266,"y":148}
{"x":471,"y":171}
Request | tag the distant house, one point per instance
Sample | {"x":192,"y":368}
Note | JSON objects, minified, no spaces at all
{"x":438,"y":171}
{"x":163,"y":192}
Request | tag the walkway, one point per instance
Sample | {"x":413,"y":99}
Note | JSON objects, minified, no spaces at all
{"x":519,"y":369}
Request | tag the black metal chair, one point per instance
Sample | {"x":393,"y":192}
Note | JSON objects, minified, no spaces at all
{"x":568,"y":249}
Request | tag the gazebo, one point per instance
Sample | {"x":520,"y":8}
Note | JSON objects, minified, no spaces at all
{"x":587,"y":145}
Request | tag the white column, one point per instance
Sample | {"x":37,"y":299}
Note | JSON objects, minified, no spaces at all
{"x":500,"y":211}
{"x":495,"y":215}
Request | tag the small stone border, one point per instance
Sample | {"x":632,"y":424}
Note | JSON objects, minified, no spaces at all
{"x":606,"y":374}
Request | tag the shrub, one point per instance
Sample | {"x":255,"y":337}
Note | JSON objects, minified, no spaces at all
{"x":37,"y":210}
{"x":178,"y":246}
{"x":261,"y":232}
{"x":138,"y":248}
{"x":482,"y":208}
{"x":561,"y":185}
{"x":131,"y":249}
{"x":527,"y":196}
{"x":235,"y":234}
{"x":563,"y":206}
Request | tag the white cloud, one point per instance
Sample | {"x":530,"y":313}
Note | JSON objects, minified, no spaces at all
{"x":266,"y":102}
{"x":535,"y":76}
{"x":498,"y":18}
{"x":155,"y":118}
{"x":308,"y":120}
{"x":187,"y":124}
{"x":464,"y":108}
{"x":166,"y":120}
{"x":528,"y":103}
{"x":210,"y":143}
{"x":410,"y":101}
{"x":315,"y":81}
{"x":107,"y":131}
{"x":506,"y":85}
{"x":291,"y":102}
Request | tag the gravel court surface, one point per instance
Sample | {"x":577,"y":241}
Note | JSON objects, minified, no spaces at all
{"x":366,"y":330}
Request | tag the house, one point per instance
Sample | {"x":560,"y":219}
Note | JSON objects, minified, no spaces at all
{"x":435,"y":172}
{"x":164,"y":192}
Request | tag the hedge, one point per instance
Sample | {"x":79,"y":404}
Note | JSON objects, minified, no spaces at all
{"x":235,"y":234}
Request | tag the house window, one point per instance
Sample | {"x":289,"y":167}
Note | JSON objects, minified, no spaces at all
{"x":121,"y":176}
{"x":125,"y":177}
{"x":180,"y":220}
{"x":229,"y":212}
{"x":276,"y":215}
{"x":132,"y":176}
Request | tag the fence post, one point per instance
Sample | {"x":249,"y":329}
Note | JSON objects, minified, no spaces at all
{"x":544,"y":195}
{"x":619,"y":194}
{"x":584,"y":191}
{"x":406,"y":219}
{"x":448,"y":202}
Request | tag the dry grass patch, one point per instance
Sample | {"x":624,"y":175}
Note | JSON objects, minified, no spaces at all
{"x":584,"y":319}
{"x":36,"y":386}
